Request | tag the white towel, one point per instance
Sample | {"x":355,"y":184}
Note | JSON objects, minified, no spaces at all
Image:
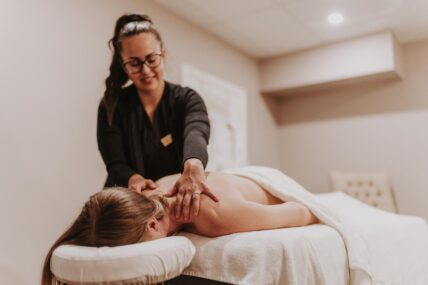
{"x":383,"y":248}
{"x":293,"y":256}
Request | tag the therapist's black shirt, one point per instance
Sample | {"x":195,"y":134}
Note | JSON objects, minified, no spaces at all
{"x":133,"y":144}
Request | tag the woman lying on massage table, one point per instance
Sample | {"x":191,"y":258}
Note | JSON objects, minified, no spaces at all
{"x":119,"y":216}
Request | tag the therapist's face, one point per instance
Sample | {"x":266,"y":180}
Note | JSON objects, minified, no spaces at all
{"x":144,"y":47}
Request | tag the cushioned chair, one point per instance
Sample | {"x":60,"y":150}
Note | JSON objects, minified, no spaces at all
{"x":374,"y":189}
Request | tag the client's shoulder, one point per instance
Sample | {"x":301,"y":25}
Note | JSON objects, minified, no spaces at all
{"x":207,"y":222}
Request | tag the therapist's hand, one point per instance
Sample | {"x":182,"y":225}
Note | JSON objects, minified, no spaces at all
{"x":188,"y":189}
{"x":138,"y":183}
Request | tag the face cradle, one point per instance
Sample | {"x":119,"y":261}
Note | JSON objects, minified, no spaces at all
{"x":140,"y":47}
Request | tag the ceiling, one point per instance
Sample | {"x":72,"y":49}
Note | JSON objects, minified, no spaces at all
{"x":266,"y":28}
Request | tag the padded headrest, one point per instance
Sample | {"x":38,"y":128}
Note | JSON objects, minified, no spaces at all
{"x":146,"y":263}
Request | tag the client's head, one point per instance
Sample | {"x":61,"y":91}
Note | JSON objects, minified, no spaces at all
{"x":119,"y":216}
{"x":113,"y":217}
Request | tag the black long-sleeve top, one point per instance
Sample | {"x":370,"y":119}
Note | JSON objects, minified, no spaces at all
{"x":133,"y":144}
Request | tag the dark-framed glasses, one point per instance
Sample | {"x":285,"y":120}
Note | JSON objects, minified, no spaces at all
{"x":135,"y":65}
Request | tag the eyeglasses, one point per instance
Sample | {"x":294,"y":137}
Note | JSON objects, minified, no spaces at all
{"x":135,"y":65}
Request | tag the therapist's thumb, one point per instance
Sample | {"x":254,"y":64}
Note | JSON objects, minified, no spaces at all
{"x":152,"y":185}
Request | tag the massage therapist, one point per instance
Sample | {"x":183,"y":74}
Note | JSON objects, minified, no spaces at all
{"x":147,"y":127}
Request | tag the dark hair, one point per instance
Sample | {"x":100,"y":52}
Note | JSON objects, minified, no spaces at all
{"x":141,"y":23}
{"x":111,"y":217}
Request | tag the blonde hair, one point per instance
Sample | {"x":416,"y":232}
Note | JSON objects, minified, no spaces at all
{"x":111,"y":217}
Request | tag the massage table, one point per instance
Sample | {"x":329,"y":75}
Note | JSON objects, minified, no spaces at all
{"x":354,"y":244}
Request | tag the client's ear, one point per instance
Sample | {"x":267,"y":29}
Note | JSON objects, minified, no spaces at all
{"x":152,"y":229}
{"x":152,"y":225}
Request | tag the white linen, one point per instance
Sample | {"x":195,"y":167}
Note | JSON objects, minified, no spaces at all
{"x":143,"y":263}
{"x":397,"y":244}
{"x":308,"y":255}
{"x":382,"y":248}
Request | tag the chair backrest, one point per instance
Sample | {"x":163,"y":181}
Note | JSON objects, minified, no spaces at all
{"x":374,"y":189}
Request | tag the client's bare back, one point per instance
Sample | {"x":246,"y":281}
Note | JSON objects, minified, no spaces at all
{"x":227,"y":186}
{"x":243,"y":206}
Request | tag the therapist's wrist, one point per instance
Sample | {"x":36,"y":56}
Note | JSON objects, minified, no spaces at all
{"x":193,"y":164}
{"x":134,"y":178}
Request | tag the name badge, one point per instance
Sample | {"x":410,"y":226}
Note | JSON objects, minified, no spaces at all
{"x":166,"y":140}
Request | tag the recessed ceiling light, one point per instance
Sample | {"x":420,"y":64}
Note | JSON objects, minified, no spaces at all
{"x":335,"y":18}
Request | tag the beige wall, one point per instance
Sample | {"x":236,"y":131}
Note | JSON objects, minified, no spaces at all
{"x":54,"y":59}
{"x":369,"y":127}
{"x":362,"y":57}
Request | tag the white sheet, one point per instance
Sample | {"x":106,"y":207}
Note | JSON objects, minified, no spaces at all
{"x":382,"y":248}
{"x":397,"y":244}
{"x":301,"y":256}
